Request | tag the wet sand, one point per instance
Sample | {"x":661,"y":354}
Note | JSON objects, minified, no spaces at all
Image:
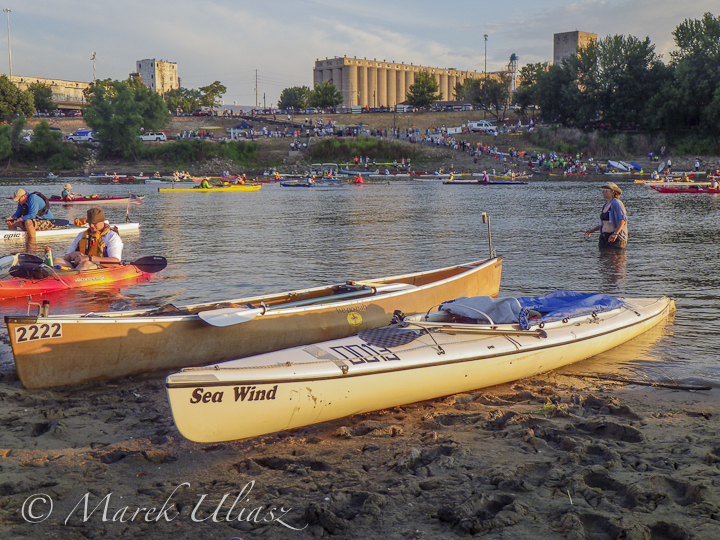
{"x":552,"y":457}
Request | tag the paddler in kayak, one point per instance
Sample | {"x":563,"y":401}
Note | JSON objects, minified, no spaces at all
{"x":32,"y":214}
{"x":358,"y":179}
{"x":204,"y":184}
{"x":66,"y":195}
{"x":97,"y":245}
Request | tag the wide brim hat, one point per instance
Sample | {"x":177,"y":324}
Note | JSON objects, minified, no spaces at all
{"x":67,"y":186}
{"x":612,"y":186}
{"x":95,"y":215}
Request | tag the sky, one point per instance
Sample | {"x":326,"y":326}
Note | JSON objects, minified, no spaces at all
{"x":228,"y":40}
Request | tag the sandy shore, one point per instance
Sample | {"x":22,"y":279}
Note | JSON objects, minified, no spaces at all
{"x":556,"y":456}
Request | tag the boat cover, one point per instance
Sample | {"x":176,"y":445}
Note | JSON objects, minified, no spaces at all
{"x":554,"y":306}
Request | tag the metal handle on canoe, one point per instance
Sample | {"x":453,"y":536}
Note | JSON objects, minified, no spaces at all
{"x":486,"y":219}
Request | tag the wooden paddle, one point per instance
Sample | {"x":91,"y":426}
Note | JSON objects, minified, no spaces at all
{"x":231,"y":316}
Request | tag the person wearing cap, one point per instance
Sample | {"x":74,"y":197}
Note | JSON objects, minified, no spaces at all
{"x":32,"y":213}
{"x":66,"y":195}
{"x":99,"y":244}
{"x":613,"y":219}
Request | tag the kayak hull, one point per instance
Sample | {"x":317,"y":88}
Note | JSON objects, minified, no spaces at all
{"x":62,"y":280}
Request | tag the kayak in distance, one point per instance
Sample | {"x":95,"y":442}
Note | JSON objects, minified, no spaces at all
{"x":216,"y":189}
{"x":94,"y":199}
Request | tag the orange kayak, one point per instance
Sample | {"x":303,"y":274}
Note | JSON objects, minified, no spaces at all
{"x":59,"y":280}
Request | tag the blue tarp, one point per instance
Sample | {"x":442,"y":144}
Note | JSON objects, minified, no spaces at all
{"x":243,"y":125}
{"x":554,"y":306}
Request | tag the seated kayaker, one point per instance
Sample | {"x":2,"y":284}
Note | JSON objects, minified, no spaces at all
{"x":358,"y":179}
{"x":66,"y":195}
{"x":204,"y":184}
{"x":32,"y":214}
{"x":97,"y":245}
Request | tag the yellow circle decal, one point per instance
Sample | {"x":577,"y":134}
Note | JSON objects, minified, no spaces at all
{"x":354,"y":318}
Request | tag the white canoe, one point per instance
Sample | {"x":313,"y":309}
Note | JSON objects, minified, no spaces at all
{"x":63,"y":231}
{"x":362,"y":373}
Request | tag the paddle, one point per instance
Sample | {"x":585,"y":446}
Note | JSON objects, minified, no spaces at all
{"x":149,"y":265}
{"x":231,"y":316}
{"x":60,"y":222}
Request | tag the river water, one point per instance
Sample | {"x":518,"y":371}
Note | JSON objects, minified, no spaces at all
{"x":222,"y":246}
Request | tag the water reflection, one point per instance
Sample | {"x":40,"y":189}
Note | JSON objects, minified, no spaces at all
{"x":613,"y":269}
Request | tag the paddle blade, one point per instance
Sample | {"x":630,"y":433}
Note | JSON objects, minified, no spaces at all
{"x":151,"y":264}
{"x":60,"y":222}
{"x":229,"y":316}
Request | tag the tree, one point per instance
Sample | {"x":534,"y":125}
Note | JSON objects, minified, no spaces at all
{"x":496,"y":93}
{"x":42,"y":95}
{"x":629,"y":72}
{"x":424,"y":91}
{"x":45,"y":141}
{"x":117,"y":112}
{"x":469,"y":90}
{"x":295,"y":97}
{"x":185,"y":99}
{"x":13,"y":101}
{"x":696,"y":75}
{"x":211,"y":95}
{"x":325,"y":95}
{"x":526,"y":93}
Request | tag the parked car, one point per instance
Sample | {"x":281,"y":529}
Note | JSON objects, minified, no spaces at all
{"x":82,"y":135}
{"x":74,"y":112}
{"x":41,"y":113}
{"x":199,"y":112}
{"x":153,"y":136}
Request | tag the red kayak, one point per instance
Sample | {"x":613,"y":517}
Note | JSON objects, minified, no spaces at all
{"x":60,"y":280}
{"x":691,"y":189}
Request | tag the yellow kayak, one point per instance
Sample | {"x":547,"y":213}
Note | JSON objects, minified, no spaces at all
{"x":235,"y":187}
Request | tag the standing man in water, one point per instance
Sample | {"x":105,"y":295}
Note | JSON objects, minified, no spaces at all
{"x":32,"y":214}
{"x":613,"y":219}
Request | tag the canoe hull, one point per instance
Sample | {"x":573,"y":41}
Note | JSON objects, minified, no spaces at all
{"x":303,"y":386}
{"x":117,"y":345}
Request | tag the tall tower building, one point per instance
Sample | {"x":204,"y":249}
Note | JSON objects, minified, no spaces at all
{"x":566,"y":43}
{"x":158,"y":76}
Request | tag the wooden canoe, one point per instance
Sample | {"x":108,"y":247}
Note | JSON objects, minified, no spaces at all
{"x":368,"y":372}
{"x":110,"y":345}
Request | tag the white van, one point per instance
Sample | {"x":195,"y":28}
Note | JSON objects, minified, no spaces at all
{"x":86,"y":135}
{"x":482,"y":126}
{"x":153,"y":136}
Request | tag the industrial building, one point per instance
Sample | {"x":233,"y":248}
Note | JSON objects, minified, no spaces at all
{"x":374,"y":83}
{"x":158,"y":75}
{"x":566,"y":43}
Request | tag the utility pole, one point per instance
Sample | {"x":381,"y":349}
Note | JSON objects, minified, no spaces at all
{"x":485,"y":78}
{"x":7,"y":11}
{"x":93,"y":60}
{"x":264,"y":101}
{"x":256,"y":95}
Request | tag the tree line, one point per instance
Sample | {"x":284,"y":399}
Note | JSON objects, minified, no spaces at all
{"x":620,"y":82}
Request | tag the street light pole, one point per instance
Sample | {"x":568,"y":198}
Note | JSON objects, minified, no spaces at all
{"x":7,"y":11}
{"x":93,"y":60}
{"x":485,"y":79}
